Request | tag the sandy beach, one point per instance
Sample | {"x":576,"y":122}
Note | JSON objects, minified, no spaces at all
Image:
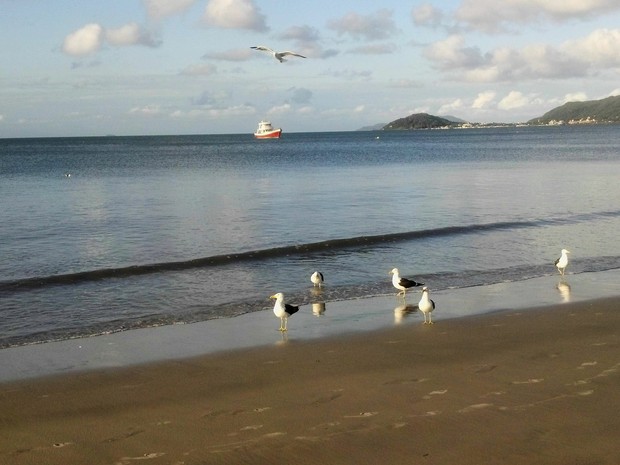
{"x":513,"y":387}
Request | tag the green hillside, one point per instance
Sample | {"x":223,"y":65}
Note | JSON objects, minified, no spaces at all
{"x":419,"y":121}
{"x":606,"y":110}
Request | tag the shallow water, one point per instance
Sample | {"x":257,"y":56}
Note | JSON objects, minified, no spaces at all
{"x":152,"y":230}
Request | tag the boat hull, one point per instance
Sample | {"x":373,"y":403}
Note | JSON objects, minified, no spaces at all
{"x":275,"y":134}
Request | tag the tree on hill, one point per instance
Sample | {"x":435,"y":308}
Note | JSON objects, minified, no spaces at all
{"x":419,"y":121}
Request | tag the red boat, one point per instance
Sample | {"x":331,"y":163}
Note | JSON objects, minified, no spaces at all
{"x":267,"y":131}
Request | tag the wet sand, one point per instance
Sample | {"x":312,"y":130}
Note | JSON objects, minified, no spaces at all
{"x":520,"y":386}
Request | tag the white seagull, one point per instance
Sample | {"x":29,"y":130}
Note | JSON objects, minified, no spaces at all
{"x":562,"y":262}
{"x":277,"y":55}
{"x":402,"y":284}
{"x":282,"y":310}
{"x":317,"y":278}
{"x":426,"y":306}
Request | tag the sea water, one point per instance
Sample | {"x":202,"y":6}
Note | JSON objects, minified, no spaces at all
{"x":106,"y":234}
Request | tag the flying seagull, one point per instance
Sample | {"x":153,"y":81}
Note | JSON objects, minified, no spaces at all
{"x":426,"y":306}
{"x":562,"y":262}
{"x":402,"y":284}
{"x":277,"y":55}
{"x":282,"y":310}
{"x":317,"y":278}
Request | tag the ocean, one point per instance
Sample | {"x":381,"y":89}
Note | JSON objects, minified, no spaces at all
{"x":106,"y":234}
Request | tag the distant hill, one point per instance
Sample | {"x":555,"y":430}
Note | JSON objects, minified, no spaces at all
{"x":606,"y":110}
{"x":374,"y":127}
{"x":419,"y":121}
{"x":454,"y":119}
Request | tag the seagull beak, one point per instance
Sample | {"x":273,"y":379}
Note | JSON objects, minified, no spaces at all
{"x":272,"y":297}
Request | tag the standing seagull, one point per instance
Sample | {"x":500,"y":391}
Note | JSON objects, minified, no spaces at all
{"x":562,"y":262}
{"x":317,"y":278}
{"x":426,"y":306}
{"x":402,"y":284}
{"x":277,"y":55}
{"x":282,"y":310}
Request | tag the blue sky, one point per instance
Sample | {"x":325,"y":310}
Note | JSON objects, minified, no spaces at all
{"x":132,"y":67}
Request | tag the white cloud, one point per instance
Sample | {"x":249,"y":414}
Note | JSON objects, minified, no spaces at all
{"x":350,"y":74}
{"x":91,"y":37}
{"x":230,"y":55}
{"x":575,"y":97}
{"x":130,"y":34}
{"x":204,"y":69}
{"x":599,"y":48}
{"x":378,"y":25}
{"x":452,"y":52}
{"x":237,"y":110}
{"x":235,"y":14}
{"x":300,"y":33}
{"x":575,"y":58}
{"x":84,"y":41}
{"x":1,"y":117}
{"x":426,"y":15}
{"x":449,"y":107}
{"x":374,"y":49}
{"x":280,"y":109}
{"x":148,"y":110}
{"x":513,"y":100}
{"x":494,"y":16}
{"x":158,"y":9}
{"x":614,"y":92}
{"x":484,"y":99}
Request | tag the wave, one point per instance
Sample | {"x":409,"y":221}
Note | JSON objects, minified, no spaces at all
{"x":289,"y":251}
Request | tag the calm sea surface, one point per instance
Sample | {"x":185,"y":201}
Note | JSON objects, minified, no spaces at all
{"x":157,"y":230}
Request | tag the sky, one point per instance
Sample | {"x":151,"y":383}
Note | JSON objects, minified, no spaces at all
{"x":151,"y":67}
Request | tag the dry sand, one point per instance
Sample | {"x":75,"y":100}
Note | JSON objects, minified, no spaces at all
{"x":513,"y":387}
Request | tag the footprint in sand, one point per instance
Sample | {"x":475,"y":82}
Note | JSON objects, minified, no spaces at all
{"x":431,"y":413}
{"x":325,"y":399}
{"x":435,"y":393}
{"x":58,"y":445}
{"x":251,"y":427}
{"x":586,"y":393}
{"x":471,"y":408}
{"x":587,"y":364}
{"x":485,"y":368}
{"x":362,"y":415}
{"x":405,"y":381}
{"x":529,"y":381}
{"x":152,"y":455}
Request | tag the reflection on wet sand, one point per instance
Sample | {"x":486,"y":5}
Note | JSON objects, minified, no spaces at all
{"x":564,"y":288}
{"x":402,"y":311}
{"x":318,"y":308}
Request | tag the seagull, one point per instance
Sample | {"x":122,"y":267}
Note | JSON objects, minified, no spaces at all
{"x":277,"y":55}
{"x":402,"y":283}
{"x":317,"y":278}
{"x":426,"y":306}
{"x":282,"y":310}
{"x":562,"y":262}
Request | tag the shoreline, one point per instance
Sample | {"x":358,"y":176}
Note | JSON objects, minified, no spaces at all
{"x":520,"y":386}
{"x":259,"y":329}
